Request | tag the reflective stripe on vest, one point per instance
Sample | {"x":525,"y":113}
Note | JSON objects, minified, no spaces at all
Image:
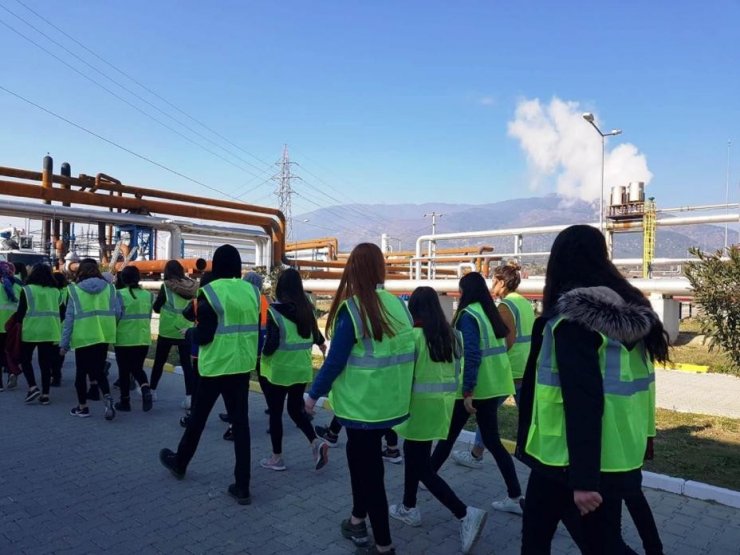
{"x":291,"y":362}
{"x":96,"y":326}
{"x":234,"y":346}
{"x":626,"y":420}
{"x":41,"y":322}
{"x":171,"y":320}
{"x":375,"y":385}
{"x":8,"y":307}
{"x":521,"y":337}
{"x":494,"y":372}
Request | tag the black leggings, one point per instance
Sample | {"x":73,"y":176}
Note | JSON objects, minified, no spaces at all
{"x":47,"y":350}
{"x":275,"y":395}
{"x":164,"y":344}
{"x":391,"y":437}
{"x":418,"y":468}
{"x":642,"y":516}
{"x":487,"y":418}
{"x":90,"y":360}
{"x":366,"y":472}
{"x":130,"y":362}
{"x":549,"y":501}
{"x":234,"y":389}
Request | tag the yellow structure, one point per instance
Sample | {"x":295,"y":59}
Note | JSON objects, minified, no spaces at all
{"x":648,"y":228}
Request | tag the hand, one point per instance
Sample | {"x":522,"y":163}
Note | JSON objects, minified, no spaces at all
{"x":587,"y":501}
{"x":309,"y":405}
{"x":468,"y":402}
{"x":322,"y":348}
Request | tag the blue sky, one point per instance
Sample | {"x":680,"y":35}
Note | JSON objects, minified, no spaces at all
{"x":379,"y":101}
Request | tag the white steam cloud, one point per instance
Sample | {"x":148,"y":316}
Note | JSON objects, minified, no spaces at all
{"x":559,"y":144}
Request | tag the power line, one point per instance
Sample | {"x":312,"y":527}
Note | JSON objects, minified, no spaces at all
{"x":134,"y":80}
{"x":113,"y":143}
{"x":124,"y":100}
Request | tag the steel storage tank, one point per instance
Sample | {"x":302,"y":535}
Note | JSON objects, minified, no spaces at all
{"x":636,"y":191}
{"x":618,"y":193}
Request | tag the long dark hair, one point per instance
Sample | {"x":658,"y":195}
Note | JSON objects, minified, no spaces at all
{"x":364,"y":271}
{"x":60,"y":280}
{"x":174,"y":270}
{"x":579,"y":258}
{"x":41,"y":275}
{"x":289,"y":289}
{"x":130,"y":277}
{"x":88,"y":268}
{"x":440,"y":337}
{"x":475,"y":290}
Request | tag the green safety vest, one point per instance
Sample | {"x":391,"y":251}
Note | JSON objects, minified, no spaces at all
{"x":171,"y":320}
{"x":234,"y":347}
{"x":135,"y":326}
{"x":494,"y":374}
{"x":7,"y":307}
{"x":629,"y":399}
{"x":291,"y":362}
{"x":95,"y":316}
{"x":42,"y":322}
{"x":375,"y":386}
{"x":523,"y":314}
{"x":432,"y":395}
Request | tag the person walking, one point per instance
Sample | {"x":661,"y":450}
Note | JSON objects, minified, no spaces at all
{"x":227,"y":334}
{"x":486,"y":382}
{"x":436,"y":373}
{"x":174,"y":295}
{"x":369,"y":371}
{"x":587,"y":398}
{"x":89,"y":328}
{"x":133,"y":337}
{"x":10,"y":292}
{"x":40,"y":317}
{"x":56,"y":367}
{"x":287,"y":367}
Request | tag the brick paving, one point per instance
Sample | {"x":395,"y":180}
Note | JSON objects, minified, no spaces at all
{"x":71,"y":485}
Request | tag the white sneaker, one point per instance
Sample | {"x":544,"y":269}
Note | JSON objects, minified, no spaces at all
{"x":272,"y":463}
{"x":509,"y":505}
{"x":412,"y":516}
{"x":470,"y":528}
{"x":186,"y":402}
{"x":466,"y":458}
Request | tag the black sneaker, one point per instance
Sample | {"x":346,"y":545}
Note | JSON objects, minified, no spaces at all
{"x":243,"y":498}
{"x":93,"y":393}
{"x":169,"y":460}
{"x":224,"y":417}
{"x":373,"y":550}
{"x":326,"y":435}
{"x":124,"y":405}
{"x":44,"y":400}
{"x":392,"y":455}
{"x":32,"y":395}
{"x":146,"y":398}
{"x":110,"y":411}
{"x":82,"y":413}
{"x":355,"y":532}
{"x":229,"y":434}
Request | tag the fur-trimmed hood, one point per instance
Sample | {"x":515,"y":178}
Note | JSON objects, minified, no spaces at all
{"x":603,"y":310}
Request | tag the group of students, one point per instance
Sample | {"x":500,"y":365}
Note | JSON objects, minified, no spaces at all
{"x":581,"y":375}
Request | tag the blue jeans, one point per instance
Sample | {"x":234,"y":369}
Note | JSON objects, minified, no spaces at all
{"x":478,"y":442}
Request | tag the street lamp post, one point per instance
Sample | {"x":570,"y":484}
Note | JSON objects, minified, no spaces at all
{"x":589,"y":117}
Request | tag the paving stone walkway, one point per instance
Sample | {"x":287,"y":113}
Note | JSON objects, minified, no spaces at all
{"x":78,"y":486}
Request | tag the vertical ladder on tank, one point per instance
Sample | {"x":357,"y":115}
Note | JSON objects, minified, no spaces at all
{"x":648,"y":229}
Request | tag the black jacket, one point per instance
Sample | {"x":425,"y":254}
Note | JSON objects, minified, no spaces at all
{"x":588,"y":311}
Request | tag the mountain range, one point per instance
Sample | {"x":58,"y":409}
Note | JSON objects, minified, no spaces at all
{"x":404,"y":223}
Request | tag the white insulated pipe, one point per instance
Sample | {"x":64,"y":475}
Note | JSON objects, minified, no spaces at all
{"x":531,"y":286}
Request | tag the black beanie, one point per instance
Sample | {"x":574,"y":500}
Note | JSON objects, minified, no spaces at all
{"x":227,"y":263}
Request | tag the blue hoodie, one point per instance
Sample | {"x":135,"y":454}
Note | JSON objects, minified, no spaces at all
{"x":90,"y":285}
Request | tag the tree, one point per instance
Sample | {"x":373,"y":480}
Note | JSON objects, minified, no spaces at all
{"x":716,"y":282}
